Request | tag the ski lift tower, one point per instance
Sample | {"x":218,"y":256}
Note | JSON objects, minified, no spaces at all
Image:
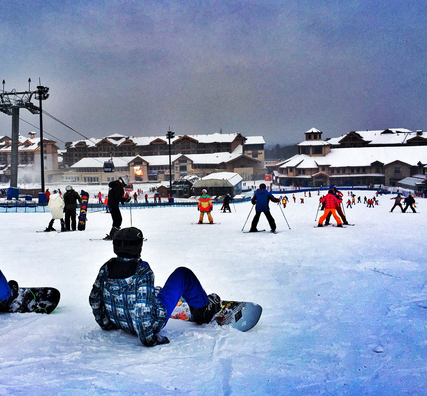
{"x":10,"y":104}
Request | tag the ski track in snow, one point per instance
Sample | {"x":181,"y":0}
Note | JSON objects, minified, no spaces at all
{"x":344,"y":311}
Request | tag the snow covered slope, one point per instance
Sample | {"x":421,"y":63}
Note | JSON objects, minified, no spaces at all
{"x":345,"y":310}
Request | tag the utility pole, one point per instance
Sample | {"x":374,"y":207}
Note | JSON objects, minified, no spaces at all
{"x":10,"y":103}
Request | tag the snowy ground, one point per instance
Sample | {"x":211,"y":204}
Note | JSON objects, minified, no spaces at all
{"x":345,"y":310}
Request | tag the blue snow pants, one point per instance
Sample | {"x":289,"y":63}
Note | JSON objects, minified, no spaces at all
{"x":4,"y":288}
{"x":182,"y":283}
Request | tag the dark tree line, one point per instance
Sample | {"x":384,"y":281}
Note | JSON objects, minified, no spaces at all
{"x":279,"y":152}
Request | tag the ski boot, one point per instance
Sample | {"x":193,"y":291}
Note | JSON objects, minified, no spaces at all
{"x":50,"y":226}
{"x":206,"y":313}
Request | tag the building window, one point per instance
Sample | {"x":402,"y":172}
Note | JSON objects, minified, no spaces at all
{"x":317,"y":150}
{"x":397,"y":169}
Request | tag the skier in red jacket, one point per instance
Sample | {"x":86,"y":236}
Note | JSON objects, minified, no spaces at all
{"x":330,"y":201}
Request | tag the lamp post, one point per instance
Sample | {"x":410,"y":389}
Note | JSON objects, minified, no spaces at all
{"x":41,"y":94}
{"x":170,"y":135}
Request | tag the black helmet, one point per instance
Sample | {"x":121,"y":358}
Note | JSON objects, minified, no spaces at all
{"x":128,"y":242}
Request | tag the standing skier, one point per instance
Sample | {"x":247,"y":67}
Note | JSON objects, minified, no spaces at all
{"x":124,"y":296}
{"x":409,"y":203}
{"x":71,"y":197}
{"x":331,"y":202}
{"x":56,"y":205}
{"x":205,"y":206}
{"x":397,"y":202}
{"x":116,"y":196}
{"x":226,"y":204}
{"x":261,"y":200}
{"x":338,"y":208}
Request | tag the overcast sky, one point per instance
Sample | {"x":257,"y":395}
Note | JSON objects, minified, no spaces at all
{"x":258,"y":67}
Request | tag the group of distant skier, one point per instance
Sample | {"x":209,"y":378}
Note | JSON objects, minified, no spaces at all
{"x":123,"y":295}
{"x":60,"y":205}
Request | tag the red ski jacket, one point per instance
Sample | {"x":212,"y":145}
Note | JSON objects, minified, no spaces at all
{"x":330,"y":201}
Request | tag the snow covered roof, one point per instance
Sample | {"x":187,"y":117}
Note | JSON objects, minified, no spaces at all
{"x":313,"y":130}
{"x":314,"y":143}
{"x":232,"y":177}
{"x":363,"y":156}
{"x":213,"y":158}
{"x":25,"y":144}
{"x":160,"y":160}
{"x":117,"y":139}
{"x":383,"y":137}
{"x":254,"y":140}
{"x":412,"y":181}
{"x":98,"y":162}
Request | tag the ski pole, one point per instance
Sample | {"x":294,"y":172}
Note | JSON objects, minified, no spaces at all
{"x":315,"y":219}
{"x":284,"y":215}
{"x":130,"y":212}
{"x":248,"y":217}
{"x":342,"y":207}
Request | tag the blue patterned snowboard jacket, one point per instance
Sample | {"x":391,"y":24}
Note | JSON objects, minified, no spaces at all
{"x":129,"y":304}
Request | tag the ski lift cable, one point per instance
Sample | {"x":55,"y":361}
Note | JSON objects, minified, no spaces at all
{"x":44,"y":131}
{"x":67,"y":126}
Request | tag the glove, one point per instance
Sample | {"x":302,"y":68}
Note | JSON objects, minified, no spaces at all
{"x":161,"y":340}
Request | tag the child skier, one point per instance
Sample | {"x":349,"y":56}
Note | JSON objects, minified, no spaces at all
{"x":124,"y":296}
{"x":205,"y":206}
{"x":116,"y":196}
{"x":330,"y":201}
{"x":340,"y":212}
{"x":397,"y":202}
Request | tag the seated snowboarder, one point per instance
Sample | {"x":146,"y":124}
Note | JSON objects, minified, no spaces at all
{"x":8,"y":292}
{"x":124,"y":296}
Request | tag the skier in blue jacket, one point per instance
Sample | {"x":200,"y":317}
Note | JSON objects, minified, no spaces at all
{"x":261,"y":200}
{"x":124,"y":296}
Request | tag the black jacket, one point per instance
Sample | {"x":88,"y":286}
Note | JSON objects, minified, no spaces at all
{"x":116,"y":193}
{"x":70,"y":199}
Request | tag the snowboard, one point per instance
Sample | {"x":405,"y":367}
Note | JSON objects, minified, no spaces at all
{"x":34,"y":299}
{"x":83,"y":211}
{"x":240,"y":315}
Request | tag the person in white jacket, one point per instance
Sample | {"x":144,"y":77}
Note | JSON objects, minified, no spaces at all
{"x":56,"y":206}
